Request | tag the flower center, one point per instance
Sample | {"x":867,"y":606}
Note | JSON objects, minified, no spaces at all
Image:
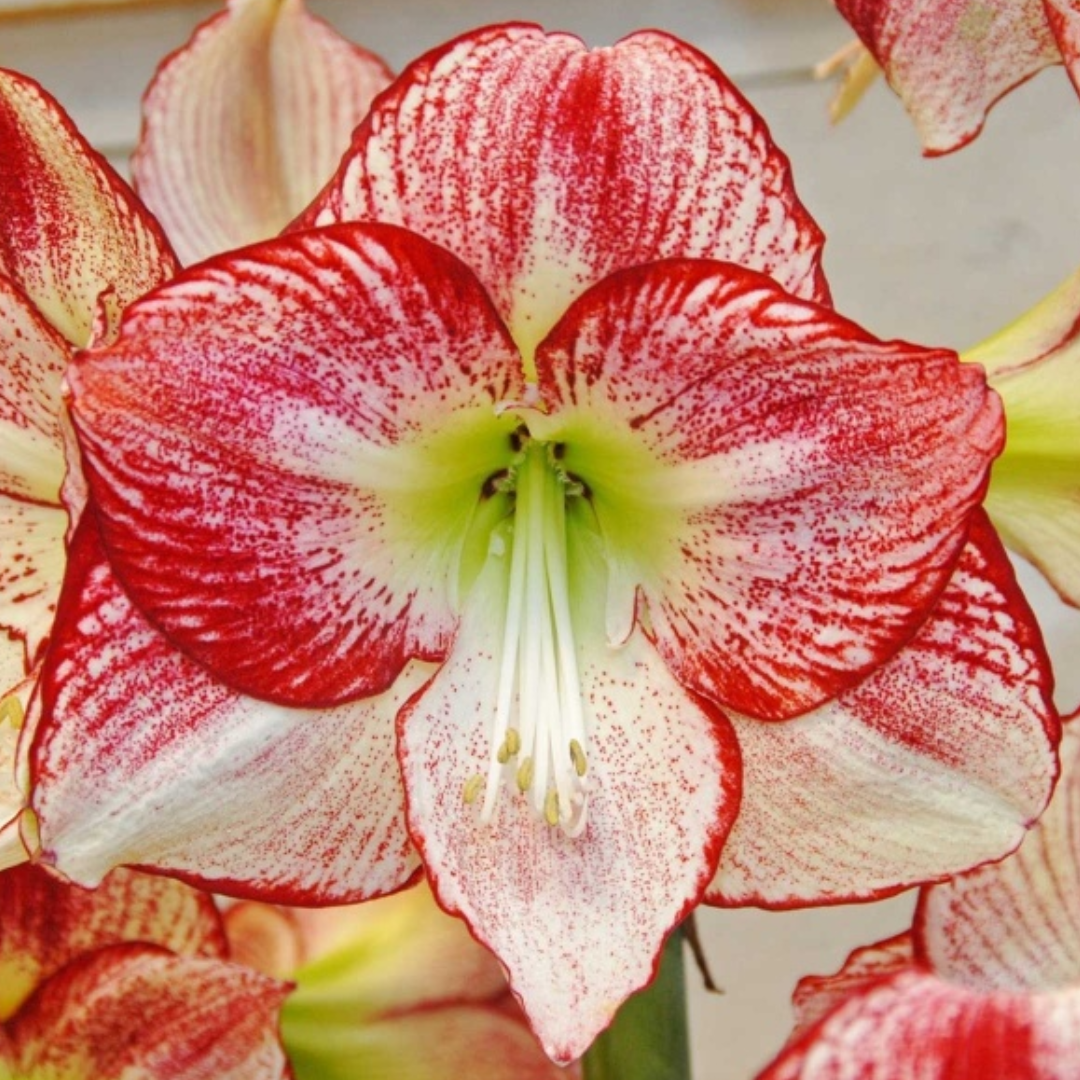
{"x":538,"y":739}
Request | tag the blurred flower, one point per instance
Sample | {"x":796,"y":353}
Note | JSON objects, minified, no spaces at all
{"x":987,"y":984}
{"x":390,"y":988}
{"x":573,"y":421}
{"x":128,"y":979}
{"x":951,"y":60}
{"x":1034,"y":495}
{"x":244,"y":124}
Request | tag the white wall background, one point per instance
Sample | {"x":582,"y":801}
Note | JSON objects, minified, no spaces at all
{"x":941,"y":252}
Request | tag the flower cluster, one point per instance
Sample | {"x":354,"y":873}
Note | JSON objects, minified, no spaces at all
{"x":527,"y":521}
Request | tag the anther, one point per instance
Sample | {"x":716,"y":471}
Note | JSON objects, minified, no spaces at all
{"x":518,"y":437}
{"x":525,"y":775}
{"x":11,"y":711}
{"x":473,"y":786}
{"x":551,"y":808}
{"x":577,"y":756}
{"x":494,"y":484}
{"x":513,"y":741}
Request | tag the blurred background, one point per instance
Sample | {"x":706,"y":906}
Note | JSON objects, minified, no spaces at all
{"x":941,"y":252}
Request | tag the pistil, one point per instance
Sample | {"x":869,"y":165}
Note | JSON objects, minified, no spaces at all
{"x":539,"y":739}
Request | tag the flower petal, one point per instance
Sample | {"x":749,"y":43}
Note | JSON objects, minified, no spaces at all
{"x":46,"y":922}
{"x":592,"y":161}
{"x":577,"y":921}
{"x":920,"y":1027}
{"x":1034,"y":496}
{"x":143,"y":758}
{"x":136,"y":1010}
{"x":478,"y":1042}
{"x":293,"y":511}
{"x":244,"y":124}
{"x":1014,"y":925}
{"x":71,"y":228}
{"x":939,"y":761}
{"x":951,"y":60}
{"x":789,"y":493}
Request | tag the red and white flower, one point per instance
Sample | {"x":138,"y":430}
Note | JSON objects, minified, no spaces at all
{"x":546,"y":481}
{"x":951,"y":60}
{"x":244,"y":124}
{"x":987,"y":984}
{"x":131,"y":978}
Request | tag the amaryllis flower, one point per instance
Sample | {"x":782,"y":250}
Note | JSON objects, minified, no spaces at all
{"x":390,"y":987}
{"x":987,"y":984}
{"x":549,"y":525}
{"x":244,"y":124}
{"x":1034,"y":494}
{"x":951,"y":60}
{"x":130,"y":979}
{"x":75,"y":246}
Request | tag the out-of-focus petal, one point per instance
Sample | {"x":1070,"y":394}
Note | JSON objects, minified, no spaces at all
{"x":137,"y":1010}
{"x":919,"y":1027}
{"x":244,"y":124}
{"x":937,"y":762}
{"x":1064,"y":17}
{"x":577,"y":921}
{"x":293,"y":511}
{"x":1014,"y":925}
{"x":788,"y":493}
{"x":474,"y":1041}
{"x":143,"y":758}
{"x":71,"y":229}
{"x":592,"y":161}
{"x":1034,"y":496}
{"x":951,"y":60}
{"x":46,"y":922}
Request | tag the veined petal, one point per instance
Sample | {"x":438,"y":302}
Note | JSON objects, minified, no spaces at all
{"x":475,"y":1041}
{"x":31,"y":442}
{"x":46,"y":922}
{"x":1034,"y":496}
{"x":939,"y":761}
{"x":71,"y":228}
{"x":788,"y":493}
{"x":294,"y":511}
{"x":1064,"y":19}
{"x":577,"y":921}
{"x":12,"y":795}
{"x":137,"y":1010}
{"x":593,"y":161}
{"x":920,"y":1027}
{"x":951,"y":60}
{"x":142,"y":757}
{"x":1014,"y":925}
{"x":244,"y":124}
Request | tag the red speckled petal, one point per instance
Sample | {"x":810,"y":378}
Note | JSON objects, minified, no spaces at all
{"x":817,"y":995}
{"x":592,"y":161}
{"x":135,"y":1010}
{"x":577,"y":921}
{"x":1015,"y":925}
{"x":919,"y":1027}
{"x":292,"y":510}
{"x":244,"y":124}
{"x":951,"y":60}
{"x":1064,"y":19}
{"x":937,"y":762}
{"x":142,"y":758}
{"x":46,"y":922}
{"x":71,"y":229}
{"x":788,"y":493}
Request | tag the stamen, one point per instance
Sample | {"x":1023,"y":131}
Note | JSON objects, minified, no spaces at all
{"x":473,"y":786}
{"x":539,"y":710}
{"x":11,"y":711}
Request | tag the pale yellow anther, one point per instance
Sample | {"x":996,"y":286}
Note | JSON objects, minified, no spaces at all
{"x":512,"y":741}
{"x":577,"y":756}
{"x":473,"y":786}
{"x":503,"y":756}
{"x":551,"y":808}
{"x":11,"y":712}
{"x":525,"y":775}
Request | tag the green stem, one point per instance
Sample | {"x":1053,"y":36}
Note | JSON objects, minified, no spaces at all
{"x":649,"y":1039}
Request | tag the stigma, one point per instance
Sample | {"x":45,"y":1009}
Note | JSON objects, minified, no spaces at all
{"x":538,"y":743}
